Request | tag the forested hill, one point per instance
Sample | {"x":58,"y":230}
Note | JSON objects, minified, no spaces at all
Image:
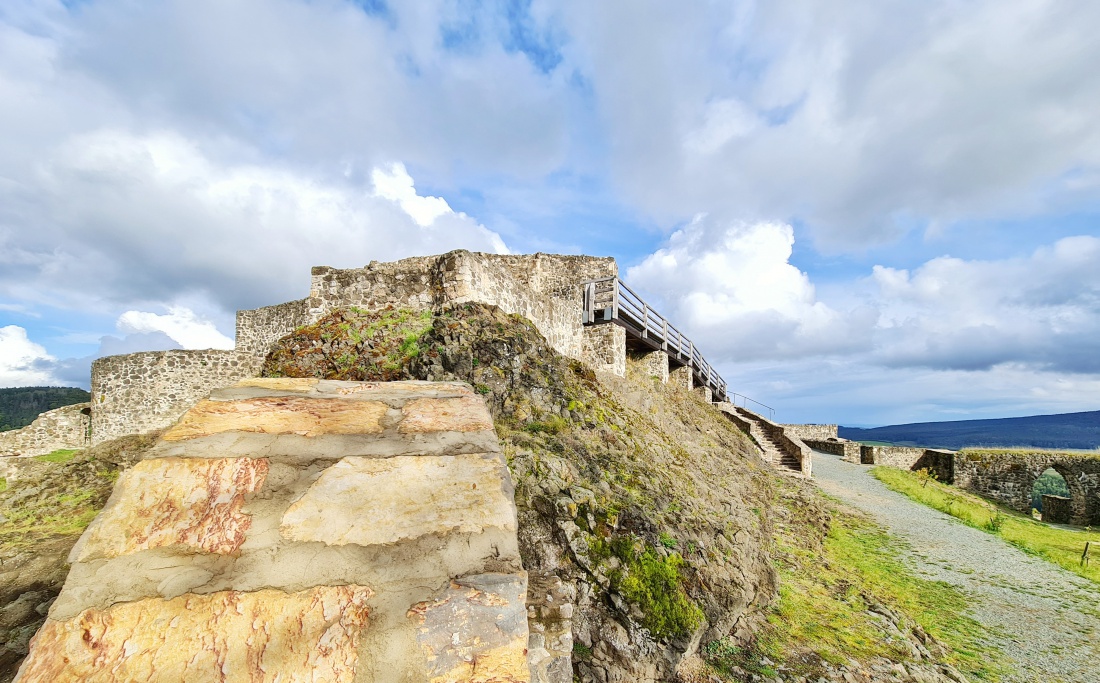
{"x":20,"y":405}
{"x":1067,"y":430}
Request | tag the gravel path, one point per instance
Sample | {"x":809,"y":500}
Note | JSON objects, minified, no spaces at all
{"x":1045,"y":619}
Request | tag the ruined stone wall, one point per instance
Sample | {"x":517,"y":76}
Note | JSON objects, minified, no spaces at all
{"x":1008,"y":477}
{"x":65,"y":427}
{"x":902,"y":457}
{"x":145,"y":391}
{"x":140,"y":392}
{"x":1057,"y":509}
{"x":303,"y":530}
{"x":544,"y":288}
{"x":811,"y":431}
{"x":849,"y":451}
{"x":940,"y":462}
{"x":259,"y":328}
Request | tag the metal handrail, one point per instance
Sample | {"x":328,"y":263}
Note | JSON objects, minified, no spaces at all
{"x":735,"y":396}
{"x":609,"y":300}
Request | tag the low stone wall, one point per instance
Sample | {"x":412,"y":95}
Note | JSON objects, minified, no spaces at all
{"x":302,"y":530}
{"x":940,"y":462}
{"x":140,"y":392}
{"x":849,"y":451}
{"x":1057,"y":509}
{"x":65,"y":427}
{"x":1009,"y":476}
{"x":811,"y":431}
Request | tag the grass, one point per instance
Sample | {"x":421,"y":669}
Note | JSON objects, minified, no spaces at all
{"x":826,"y":593}
{"x":58,"y":456}
{"x":1060,"y":546}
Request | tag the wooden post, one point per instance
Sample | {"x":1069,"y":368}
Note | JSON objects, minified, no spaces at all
{"x":1085,"y":555}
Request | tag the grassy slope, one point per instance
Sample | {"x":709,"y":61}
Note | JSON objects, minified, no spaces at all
{"x":1060,"y":546}
{"x":838,"y":573}
{"x":42,"y":513}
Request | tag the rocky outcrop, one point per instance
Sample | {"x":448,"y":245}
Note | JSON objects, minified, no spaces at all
{"x":293,"y":530}
{"x":643,"y":512}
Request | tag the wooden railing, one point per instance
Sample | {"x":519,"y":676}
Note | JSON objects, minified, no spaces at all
{"x":609,"y":300}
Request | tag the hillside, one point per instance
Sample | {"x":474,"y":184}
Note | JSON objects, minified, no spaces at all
{"x":20,"y":405}
{"x":659,"y":546}
{"x":1067,"y":430}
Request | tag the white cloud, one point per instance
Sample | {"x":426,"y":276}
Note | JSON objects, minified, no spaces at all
{"x":396,"y":184}
{"x":1042,"y":311}
{"x":732,"y":286}
{"x":861,"y":120}
{"x":22,"y":362}
{"x":180,"y":324}
{"x":131,"y":218}
{"x":1014,"y":336}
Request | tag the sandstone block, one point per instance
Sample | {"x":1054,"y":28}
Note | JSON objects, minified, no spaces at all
{"x":475,"y":631}
{"x":176,"y":501}
{"x":265,"y":636}
{"x":463,"y":414}
{"x":280,"y":383}
{"x":280,"y":415}
{"x":370,"y":501}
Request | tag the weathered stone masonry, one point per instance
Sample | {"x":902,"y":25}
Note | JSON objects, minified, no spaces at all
{"x":65,"y":427}
{"x":141,"y":392}
{"x":1008,"y":477}
{"x":145,"y":391}
{"x":302,"y":530}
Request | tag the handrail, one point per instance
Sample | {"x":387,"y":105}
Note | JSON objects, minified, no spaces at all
{"x":610,"y":300}
{"x":735,"y":396}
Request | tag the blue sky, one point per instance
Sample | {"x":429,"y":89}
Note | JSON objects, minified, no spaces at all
{"x":871,"y":213}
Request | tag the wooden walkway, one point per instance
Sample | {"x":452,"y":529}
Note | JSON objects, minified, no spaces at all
{"x":610,"y":301}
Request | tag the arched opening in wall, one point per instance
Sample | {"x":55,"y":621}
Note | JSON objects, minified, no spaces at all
{"x":1049,"y":483}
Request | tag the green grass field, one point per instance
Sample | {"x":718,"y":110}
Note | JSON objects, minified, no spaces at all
{"x":1060,"y":546}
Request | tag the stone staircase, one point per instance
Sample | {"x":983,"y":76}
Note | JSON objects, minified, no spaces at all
{"x":772,"y":450}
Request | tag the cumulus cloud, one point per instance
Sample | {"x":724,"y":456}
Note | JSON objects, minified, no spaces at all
{"x":128,"y":218}
{"x":1042,"y":311}
{"x":179,"y":324}
{"x":861,"y":120}
{"x":22,"y":362}
{"x":732,"y":286}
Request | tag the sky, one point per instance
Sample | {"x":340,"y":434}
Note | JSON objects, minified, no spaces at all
{"x":866,"y":213}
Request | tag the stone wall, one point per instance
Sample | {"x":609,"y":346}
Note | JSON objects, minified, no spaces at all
{"x":260,"y":328}
{"x":140,"y":392}
{"x":811,"y":431}
{"x":1057,"y":509}
{"x":544,"y":288}
{"x":294,"y":530}
{"x":65,"y":427}
{"x":849,"y":451}
{"x":940,"y":462}
{"x":1008,"y":477}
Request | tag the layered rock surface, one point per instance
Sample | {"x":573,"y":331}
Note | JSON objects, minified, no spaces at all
{"x":301,"y":530}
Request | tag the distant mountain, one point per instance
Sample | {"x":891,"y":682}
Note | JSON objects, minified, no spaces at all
{"x":1068,"y":430}
{"x":20,"y":405}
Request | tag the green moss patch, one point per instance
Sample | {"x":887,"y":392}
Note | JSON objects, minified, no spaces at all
{"x":58,"y":456}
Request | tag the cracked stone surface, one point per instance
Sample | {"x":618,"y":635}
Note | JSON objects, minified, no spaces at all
{"x":384,"y":500}
{"x":176,"y":501}
{"x":302,"y":530}
{"x":265,"y":636}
